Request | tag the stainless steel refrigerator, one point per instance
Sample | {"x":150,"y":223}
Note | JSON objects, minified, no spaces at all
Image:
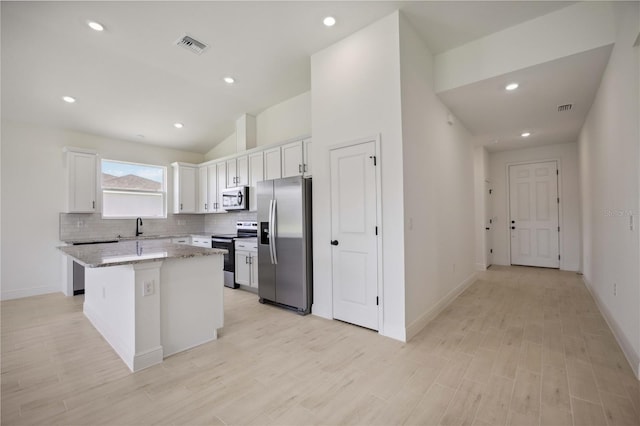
{"x":284,"y":243}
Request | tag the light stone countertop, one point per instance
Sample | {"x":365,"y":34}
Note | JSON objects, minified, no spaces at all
{"x":131,"y":252}
{"x":127,"y":238}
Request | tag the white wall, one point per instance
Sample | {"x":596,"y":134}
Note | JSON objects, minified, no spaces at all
{"x":568,"y":191}
{"x":33,"y":194}
{"x":356,"y":94}
{"x":284,"y":121}
{"x":609,"y":180}
{"x":438,"y":190}
{"x":480,"y":175}
{"x":224,"y":148}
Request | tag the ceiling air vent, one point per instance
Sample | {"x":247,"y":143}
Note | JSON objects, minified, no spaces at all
{"x":192,"y":44}
{"x":565,"y":107}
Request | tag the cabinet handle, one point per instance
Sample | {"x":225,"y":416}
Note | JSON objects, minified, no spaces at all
{"x":304,"y":168}
{"x":180,"y":206}
{"x":205,"y":206}
{"x":93,"y":204}
{"x":299,"y":168}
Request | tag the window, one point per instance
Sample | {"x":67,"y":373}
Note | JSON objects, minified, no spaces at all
{"x":133,"y":190}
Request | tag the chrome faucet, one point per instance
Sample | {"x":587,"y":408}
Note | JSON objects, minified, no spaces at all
{"x":138,"y":226}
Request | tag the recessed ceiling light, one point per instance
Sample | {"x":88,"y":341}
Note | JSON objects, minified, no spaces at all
{"x":69,"y":99}
{"x":95,"y":26}
{"x":178,"y":125}
{"x":229,"y":80}
{"x":329,"y":21}
{"x":525,"y":134}
{"x":511,"y":86}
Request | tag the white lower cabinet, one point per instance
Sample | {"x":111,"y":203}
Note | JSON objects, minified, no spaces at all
{"x":246,"y":263}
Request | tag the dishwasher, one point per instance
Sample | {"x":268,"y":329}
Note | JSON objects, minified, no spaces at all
{"x":77,"y":272}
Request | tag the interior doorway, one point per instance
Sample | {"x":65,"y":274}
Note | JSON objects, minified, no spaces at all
{"x":533,"y":214}
{"x":354,"y":234}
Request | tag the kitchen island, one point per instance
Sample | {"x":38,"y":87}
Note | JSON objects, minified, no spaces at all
{"x":151,"y":298}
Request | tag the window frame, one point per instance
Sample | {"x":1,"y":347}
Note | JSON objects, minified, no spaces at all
{"x":162,"y":193}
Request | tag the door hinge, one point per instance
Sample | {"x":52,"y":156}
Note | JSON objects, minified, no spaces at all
{"x":377,"y":300}
{"x":557,"y":173}
{"x":558,"y":257}
{"x":490,"y":250}
{"x":374,"y":159}
{"x":558,"y":200}
{"x":490,"y":221}
{"x":376,"y":230}
{"x":558,"y":229}
{"x":490,"y":191}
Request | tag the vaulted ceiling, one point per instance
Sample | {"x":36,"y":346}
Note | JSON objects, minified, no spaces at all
{"x":132,"y":82}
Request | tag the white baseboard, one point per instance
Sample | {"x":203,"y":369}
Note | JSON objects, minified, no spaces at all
{"x":148,"y":358}
{"x":481,"y":267}
{"x":320,"y":313}
{"x":627,"y":349}
{"x":28,"y":292}
{"x":415,"y":327}
{"x":396,"y":333}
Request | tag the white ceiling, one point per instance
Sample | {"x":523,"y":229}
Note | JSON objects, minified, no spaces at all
{"x":131,"y":80}
{"x":497,"y":117}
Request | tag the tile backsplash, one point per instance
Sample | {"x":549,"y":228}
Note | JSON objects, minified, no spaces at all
{"x":91,"y":227}
{"x":225,"y":223}
{"x":78,"y":227}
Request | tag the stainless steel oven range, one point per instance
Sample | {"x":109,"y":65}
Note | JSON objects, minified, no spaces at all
{"x":226,"y":241}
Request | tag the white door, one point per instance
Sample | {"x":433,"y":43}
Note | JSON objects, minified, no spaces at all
{"x":533,"y":207}
{"x":488,"y":220}
{"x":353,"y":235}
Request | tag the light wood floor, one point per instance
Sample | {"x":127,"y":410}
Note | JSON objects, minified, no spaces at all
{"x":521,"y":346}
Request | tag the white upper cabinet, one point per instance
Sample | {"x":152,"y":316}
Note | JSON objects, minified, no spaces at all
{"x":292,"y":160}
{"x":185,"y":188}
{"x":296,"y":158}
{"x":203,"y":187}
{"x":213,"y":187}
{"x":306,"y":167}
{"x":256,"y":174}
{"x":221,"y":186}
{"x":237,"y":172}
{"x":82,"y":172}
{"x":272,"y":163}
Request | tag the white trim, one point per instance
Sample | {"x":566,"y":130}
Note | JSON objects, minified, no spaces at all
{"x":28,"y":292}
{"x":147,"y":358}
{"x":202,"y":342}
{"x":632,"y":357}
{"x":414,"y":328}
{"x":380,"y":272}
{"x":481,"y":267}
{"x":79,"y":150}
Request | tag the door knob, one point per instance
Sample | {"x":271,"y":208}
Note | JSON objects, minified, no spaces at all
{"x":334,"y":242}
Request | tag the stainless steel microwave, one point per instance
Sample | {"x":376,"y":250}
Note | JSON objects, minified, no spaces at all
{"x":235,"y":198}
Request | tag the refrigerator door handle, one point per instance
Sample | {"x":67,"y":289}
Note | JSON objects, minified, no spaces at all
{"x":271,"y":230}
{"x":273,"y":233}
